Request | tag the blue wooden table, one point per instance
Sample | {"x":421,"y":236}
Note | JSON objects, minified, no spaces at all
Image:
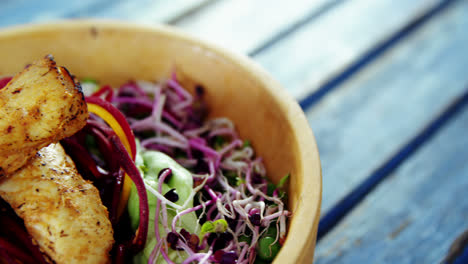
{"x":384,"y":85}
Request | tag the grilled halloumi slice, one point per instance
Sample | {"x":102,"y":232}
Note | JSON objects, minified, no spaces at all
{"x":62,"y":212}
{"x":40,"y":105}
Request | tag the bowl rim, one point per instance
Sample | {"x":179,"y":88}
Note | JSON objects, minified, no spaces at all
{"x":307,"y":147}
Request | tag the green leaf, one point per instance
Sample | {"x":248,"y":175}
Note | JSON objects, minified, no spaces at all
{"x":232,"y":178}
{"x":267,"y":248}
{"x":207,"y":227}
{"x":270,"y":189}
{"x":220,"y":226}
{"x":218,"y":142}
{"x":89,"y":80}
{"x":246,"y":143}
{"x":244,"y":238}
{"x":283,"y":181}
{"x":271,"y":231}
{"x":239,"y":181}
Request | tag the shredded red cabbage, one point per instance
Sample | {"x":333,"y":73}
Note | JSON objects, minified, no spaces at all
{"x":4,"y":81}
{"x":15,"y":242}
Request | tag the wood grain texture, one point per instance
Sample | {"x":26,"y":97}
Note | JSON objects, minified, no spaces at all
{"x":150,"y":11}
{"x":354,"y":197}
{"x":243,"y":25}
{"x":414,"y":217}
{"x":324,"y":47}
{"x":142,"y":11}
{"x":364,"y":122}
{"x":29,"y":11}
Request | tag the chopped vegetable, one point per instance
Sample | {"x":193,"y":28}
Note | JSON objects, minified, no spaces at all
{"x":129,"y":167}
{"x":283,"y":181}
{"x":114,"y":118}
{"x":4,"y":81}
{"x":218,"y":226}
{"x":153,"y":165}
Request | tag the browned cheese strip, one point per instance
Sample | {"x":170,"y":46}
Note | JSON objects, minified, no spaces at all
{"x":62,"y":212}
{"x":40,"y":105}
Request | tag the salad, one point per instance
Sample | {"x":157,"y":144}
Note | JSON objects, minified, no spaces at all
{"x":179,"y":188}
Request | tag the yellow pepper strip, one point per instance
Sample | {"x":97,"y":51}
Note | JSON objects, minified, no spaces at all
{"x":110,"y":120}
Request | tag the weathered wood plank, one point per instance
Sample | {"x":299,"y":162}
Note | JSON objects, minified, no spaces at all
{"x":150,"y":11}
{"x":354,"y":197}
{"x":243,"y":25}
{"x":143,"y":11}
{"x":324,"y":47}
{"x":363,"y":123}
{"x":414,"y":217}
{"x":25,"y":11}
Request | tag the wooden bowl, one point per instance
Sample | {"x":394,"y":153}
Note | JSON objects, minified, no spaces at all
{"x":236,"y":87}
